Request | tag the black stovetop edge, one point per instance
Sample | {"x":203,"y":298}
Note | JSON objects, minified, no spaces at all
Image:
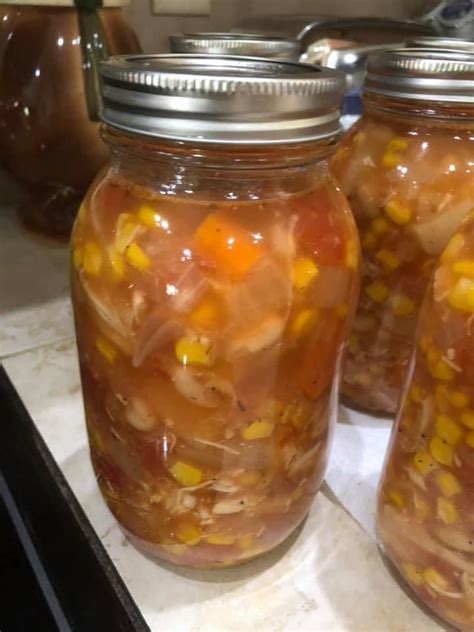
{"x":77,"y":578}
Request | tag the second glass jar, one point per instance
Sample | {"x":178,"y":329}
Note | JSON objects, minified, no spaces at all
{"x":212,"y":287}
{"x":407,"y":169}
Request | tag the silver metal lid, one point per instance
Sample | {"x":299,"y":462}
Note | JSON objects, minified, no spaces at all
{"x":229,"y":99}
{"x":248,"y":44}
{"x":106,"y":4}
{"x":425,"y":74}
{"x":445,"y":43}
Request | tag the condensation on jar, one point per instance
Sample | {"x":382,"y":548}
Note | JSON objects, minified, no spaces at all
{"x":407,"y":169}
{"x":212,"y":286}
{"x":426,"y":497}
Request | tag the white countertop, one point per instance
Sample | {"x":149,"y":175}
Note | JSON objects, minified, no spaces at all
{"x":329,"y":576}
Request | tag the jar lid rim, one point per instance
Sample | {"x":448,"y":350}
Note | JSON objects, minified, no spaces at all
{"x":105,"y":4}
{"x":249,"y":44}
{"x":221,"y":99}
{"x":427,"y":74}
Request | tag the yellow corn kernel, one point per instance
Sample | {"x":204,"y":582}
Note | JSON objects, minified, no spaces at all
{"x":470,"y":439}
{"x":77,"y":255}
{"x":271,"y":408}
{"x":417,"y":394}
{"x":185,"y":474}
{"x":423,"y":463}
{"x":106,"y":350}
{"x":461,"y":296}
{"x":448,"y":484}
{"x":205,"y":314}
{"x":424,"y":344}
{"x":412,"y":573}
{"x":467,"y":418}
{"x":95,"y":439}
{"x":220,"y":539}
{"x":81,"y":213}
{"x":136,"y":257}
{"x":246,"y":542}
{"x":193,"y":351}
{"x":188,"y":533}
{"x":303,"y":323}
{"x":362,"y":379}
{"x":296,"y":494}
{"x":441,"y":452}
{"x":439,"y":369}
{"x":353,"y":343}
{"x":380,"y":226}
{"x":125,"y":229}
{"x":422,"y":509}
{"x":458,"y":399}
{"x":369,"y":241}
{"x":406,"y":421}
{"x":116,"y":262}
{"x":455,"y":244}
{"x":388,"y":259}
{"x":396,"y":499}
{"x":397,"y":144}
{"x":446,"y":511}
{"x":402,"y":305}
{"x":442,"y":397}
{"x":427,"y":267}
{"x":304,"y":272}
{"x":464,"y":268}
{"x":447,"y":429}
{"x":377,"y":291}
{"x":352,"y":254}
{"x":390,"y":160}
{"x":341,"y":310}
{"x":148,"y":216}
{"x":258,"y":429}
{"x":432,"y":577}
{"x":375,"y":370}
{"x":248,"y":479}
{"x":91,"y":258}
{"x":397,"y":212}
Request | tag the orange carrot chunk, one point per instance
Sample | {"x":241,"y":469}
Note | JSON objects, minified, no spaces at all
{"x":224,"y":245}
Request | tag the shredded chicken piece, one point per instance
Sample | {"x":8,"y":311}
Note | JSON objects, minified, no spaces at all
{"x":446,"y":593}
{"x":302,"y":461}
{"x":416,"y":478}
{"x":454,"y":366}
{"x":226,"y":487}
{"x":230,"y":506}
{"x":402,"y":530}
{"x":116,"y":435}
{"x":184,"y":490}
{"x":189,"y":501}
{"x":467,"y":583}
{"x":219,"y":446}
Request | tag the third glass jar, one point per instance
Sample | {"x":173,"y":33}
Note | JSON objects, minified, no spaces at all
{"x":215,"y":271}
{"x":426,"y":497}
{"x":407,"y":169}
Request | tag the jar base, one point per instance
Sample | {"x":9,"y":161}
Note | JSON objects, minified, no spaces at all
{"x":268,"y":556}
{"x":412,"y":594}
{"x":347,"y":401}
{"x":50,"y":212}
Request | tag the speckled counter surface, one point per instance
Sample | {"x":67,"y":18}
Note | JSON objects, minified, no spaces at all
{"x":328,"y":576}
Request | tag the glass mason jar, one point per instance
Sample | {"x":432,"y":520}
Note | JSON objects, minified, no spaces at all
{"x":407,"y":169}
{"x":426,"y":497}
{"x":49,"y":130}
{"x":248,"y":44}
{"x":215,"y":270}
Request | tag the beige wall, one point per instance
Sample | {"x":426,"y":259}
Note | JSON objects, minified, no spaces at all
{"x":153,"y":30}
